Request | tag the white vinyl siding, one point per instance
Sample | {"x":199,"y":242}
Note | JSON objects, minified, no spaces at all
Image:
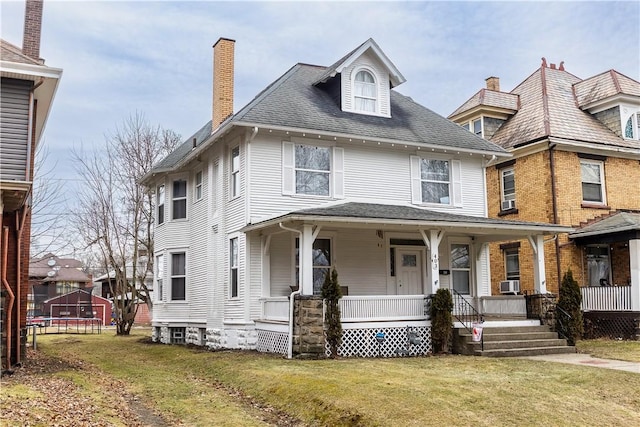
{"x":374,"y":66}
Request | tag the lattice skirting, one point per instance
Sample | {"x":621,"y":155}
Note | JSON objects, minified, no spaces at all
{"x":272,"y":342}
{"x":607,"y":324}
{"x":363,"y":343}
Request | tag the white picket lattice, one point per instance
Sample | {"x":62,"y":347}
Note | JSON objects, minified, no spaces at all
{"x":272,"y":342}
{"x":363,"y":343}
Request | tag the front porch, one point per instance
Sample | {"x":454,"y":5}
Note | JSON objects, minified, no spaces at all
{"x":391,"y":325}
{"x":389,"y":260}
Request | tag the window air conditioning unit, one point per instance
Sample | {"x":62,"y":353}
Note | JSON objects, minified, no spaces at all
{"x":510,"y":287}
{"x":508,"y":204}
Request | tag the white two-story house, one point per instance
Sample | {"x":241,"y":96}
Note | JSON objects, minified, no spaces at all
{"x":327,"y":167}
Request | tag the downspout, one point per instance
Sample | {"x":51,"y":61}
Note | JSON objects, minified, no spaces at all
{"x":293,"y":296}
{"x":19,"y":231}
{"x":5,"y":283}
{"x":555,"y":209}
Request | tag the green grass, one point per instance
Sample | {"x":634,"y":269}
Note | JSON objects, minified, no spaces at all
{"x":231,"y":388}
{"x":611,"y":349}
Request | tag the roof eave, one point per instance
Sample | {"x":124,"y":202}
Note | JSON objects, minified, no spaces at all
{"x":537,"y":229}
{"x":418,"y":145}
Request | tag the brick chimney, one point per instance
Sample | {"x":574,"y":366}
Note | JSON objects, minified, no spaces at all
{"x":493,"y":83}
{"x":32,"y":29}
{"x":223,"y":51}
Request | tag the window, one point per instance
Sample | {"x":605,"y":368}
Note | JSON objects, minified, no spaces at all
{"x":233,"y":267}
{"x":159,"y":277}
{"x":592,"y":181}
{"x":436,"y":181}
{"x":312,"y":169}
{"x":477,"y":127}
{"x":508,"y":184}
{"x":632,"y":128}
{"x":460,"y":268}
{"x":512,"y":263}
{"x":178,"y":276}
{"x":434,"y":175}
{"x":321,"y":256}
{"x":160,"y":203}
{"x":466,"y":126}
{"x":234,"y":177}
{"x":179,"y":199}
{"x":598,"y":266}
{"x":365,"y":94}
{"x":198,"y":186}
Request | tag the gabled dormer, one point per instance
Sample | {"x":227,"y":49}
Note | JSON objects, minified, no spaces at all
{"x":614,"y":99}
{"x":361,"y":81}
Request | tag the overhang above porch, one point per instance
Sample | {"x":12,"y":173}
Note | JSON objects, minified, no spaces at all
{"x":409,"y":218}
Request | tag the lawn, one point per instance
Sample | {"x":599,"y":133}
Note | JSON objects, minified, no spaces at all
{"x":191,"y":387}
{"x":611,"y":349}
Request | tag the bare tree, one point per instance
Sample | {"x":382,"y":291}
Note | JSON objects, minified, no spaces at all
{"x":48,"y":200}
{"x":116,"y":213}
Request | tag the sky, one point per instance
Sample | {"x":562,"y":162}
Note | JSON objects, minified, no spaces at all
{"x":155,"y":57}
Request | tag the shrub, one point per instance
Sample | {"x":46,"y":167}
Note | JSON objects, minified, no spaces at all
{"x":568,"y":312}
{"x":441,"y":321}
{"x":331,"y":293}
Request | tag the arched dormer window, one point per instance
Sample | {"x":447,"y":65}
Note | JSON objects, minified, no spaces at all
{"x":632,"y":127}
{"x":365,"y":92}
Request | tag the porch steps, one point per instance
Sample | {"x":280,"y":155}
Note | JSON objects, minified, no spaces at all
{"x":505,"y":341}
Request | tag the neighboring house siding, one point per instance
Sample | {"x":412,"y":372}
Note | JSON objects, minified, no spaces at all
{"x":282,"y":268}
{"x":611,"y":119}
{"x":14,"y":129}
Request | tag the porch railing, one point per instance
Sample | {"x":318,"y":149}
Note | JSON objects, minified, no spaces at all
{"x":359,"y":308}
{"x":606,"y":298}
{"x":275,"y":309}
{"x":383,"y":308}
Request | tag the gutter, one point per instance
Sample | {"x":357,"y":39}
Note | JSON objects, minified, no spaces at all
{"x":554,"y":203}
{"x":11,"y":297}
{"x":292,"y":297}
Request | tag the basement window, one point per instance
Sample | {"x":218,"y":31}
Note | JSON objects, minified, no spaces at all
{"x":177,"y":335}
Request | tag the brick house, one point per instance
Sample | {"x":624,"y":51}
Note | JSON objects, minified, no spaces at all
{"x":26,"y":95}
{"x":576,"y":151}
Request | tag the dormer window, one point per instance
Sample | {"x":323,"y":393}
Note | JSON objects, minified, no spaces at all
{"x":365,"y":93}
{"x":632,"y":128}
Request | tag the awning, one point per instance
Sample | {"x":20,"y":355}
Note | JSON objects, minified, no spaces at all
{"x":619,"y":226}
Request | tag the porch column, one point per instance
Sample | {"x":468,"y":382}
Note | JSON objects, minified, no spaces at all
{"x":306,"y":260}
{"x":432,"y":240}
{"x":634,"y":261}
{"x":539,"y":271}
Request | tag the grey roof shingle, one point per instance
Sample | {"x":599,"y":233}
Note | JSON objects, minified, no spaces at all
{"x":616,"y":223}
{"x":293,"y":101}
{"x":373,"y":212}
{"x":603,"y":86}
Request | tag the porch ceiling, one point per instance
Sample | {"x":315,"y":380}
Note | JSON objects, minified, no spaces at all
{"x":409,"y":218}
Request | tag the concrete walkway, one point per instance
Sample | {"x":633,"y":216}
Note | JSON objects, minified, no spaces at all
{"x":587,"y":360}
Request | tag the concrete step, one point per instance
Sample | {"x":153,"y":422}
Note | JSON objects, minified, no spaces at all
{"x":519,"y":352}
{"x":490,"y":336}
{"x":515,"y":344}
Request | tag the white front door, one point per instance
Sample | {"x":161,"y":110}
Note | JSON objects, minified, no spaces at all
{"x":409,"y":272}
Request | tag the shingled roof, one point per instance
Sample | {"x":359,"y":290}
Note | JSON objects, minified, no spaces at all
{"x":294,"y":102}
{"x":12,"y":53}
{"x":548,"y":105}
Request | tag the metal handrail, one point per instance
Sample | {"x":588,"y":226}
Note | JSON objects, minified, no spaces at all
{"x":463,"y":310}
{"x":556,"y":307}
